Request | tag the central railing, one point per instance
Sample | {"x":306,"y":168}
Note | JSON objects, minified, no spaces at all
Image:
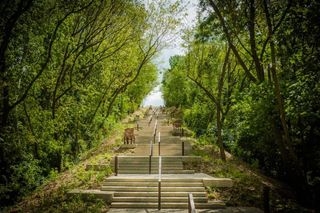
{"x":159,"y":154}
{"x":155,"y":130}
{"x":151,"y":144}
{"x":159,"y":183}
{"x":191,"y":206}
{"x":150,"y":156}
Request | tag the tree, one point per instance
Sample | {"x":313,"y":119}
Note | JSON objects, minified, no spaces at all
{"x":66,"y":67}
{"x":256,"y":14}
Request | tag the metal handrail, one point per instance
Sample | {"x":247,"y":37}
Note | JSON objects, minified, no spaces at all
{"x":156,"y":125}
{"x":150,"y":120}
{"x":151,"y":144}
{"x":150,"y":156}
{"x":159,"y":145}
{"x":155,"y":130}
{"x":182,"y":142}
{"x":151,"y":148}
{"x":191,"y":206}
{"x":116,"y":165}
{"x":159,"y":183}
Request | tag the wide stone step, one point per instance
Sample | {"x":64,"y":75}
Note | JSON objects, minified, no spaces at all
{"x":152,"y":167}
{"x":155,"y":172}
{"x":155,"y":199}
{"x":153,"y":158}
{"x":163,"y":184}
{"x":152,"y":189}
{"x":215,"y":205}
{"x":146,"y":162}
{"x":164,"y":159}
{"x":155,"y":194}
{"x":124,"y":179}
{"x":146,"y":167}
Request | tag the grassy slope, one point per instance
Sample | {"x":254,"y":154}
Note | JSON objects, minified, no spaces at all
{"x":52,"y":195}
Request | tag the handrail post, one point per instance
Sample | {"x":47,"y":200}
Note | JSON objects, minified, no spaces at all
{"x":182,"y":144}
{"x":150,"y":120}
{"x":150,"y":164}
{"x":155,"y":131}
{"x":116,"y":165}
{"x":266,"y":199}
{"x":159,"y":183}
{"x":151,"y":149}
{"x":159,"y":145}
{"x":150,"y":155}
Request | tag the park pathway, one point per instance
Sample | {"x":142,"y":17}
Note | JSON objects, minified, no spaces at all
{"x":137,"y":185}
{"x":170,"y":145}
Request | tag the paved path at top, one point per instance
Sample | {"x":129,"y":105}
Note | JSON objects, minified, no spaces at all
{"x":170,"y":145}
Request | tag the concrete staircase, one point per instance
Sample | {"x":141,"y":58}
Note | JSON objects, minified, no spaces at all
{"x":140,"y":165}
{"x":135,"y":190}
{"x":143,"y":193}
{"x":134,"y":187}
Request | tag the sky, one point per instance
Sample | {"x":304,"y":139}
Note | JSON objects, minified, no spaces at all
{"x":162,"y":61}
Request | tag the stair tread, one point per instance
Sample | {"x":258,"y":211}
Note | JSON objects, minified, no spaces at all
{"x":155,"y":187}
{"x":165,"y":194}
{"x":155,"y":199}
{"x":152,"y":180}
{"x":187,"y":184}
{"x":218,"y":204}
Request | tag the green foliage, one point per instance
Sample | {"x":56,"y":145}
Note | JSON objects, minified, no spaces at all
{"x":274,"y":85}
{"x":198,"y":117}
{"x":175,"y":85}
{"x":253,"y":140}
{"x":70,"y":71}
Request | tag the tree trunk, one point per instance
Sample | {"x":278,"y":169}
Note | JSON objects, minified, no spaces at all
{"x":251,"y":27}
{"x":5,"y":38}
{"x":5,"y":108}
{"x":229,"y":39}
{"x":291,"y":161}
{"x":219,"y":135}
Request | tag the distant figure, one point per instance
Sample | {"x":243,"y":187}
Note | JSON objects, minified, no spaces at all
{"x":129,"y":136}
{"x":177,"y":124}
{"x":177,"y":127}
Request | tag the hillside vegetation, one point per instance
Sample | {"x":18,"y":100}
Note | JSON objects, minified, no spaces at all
{"x":69,"y":72}
{"x":249,"y":83}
